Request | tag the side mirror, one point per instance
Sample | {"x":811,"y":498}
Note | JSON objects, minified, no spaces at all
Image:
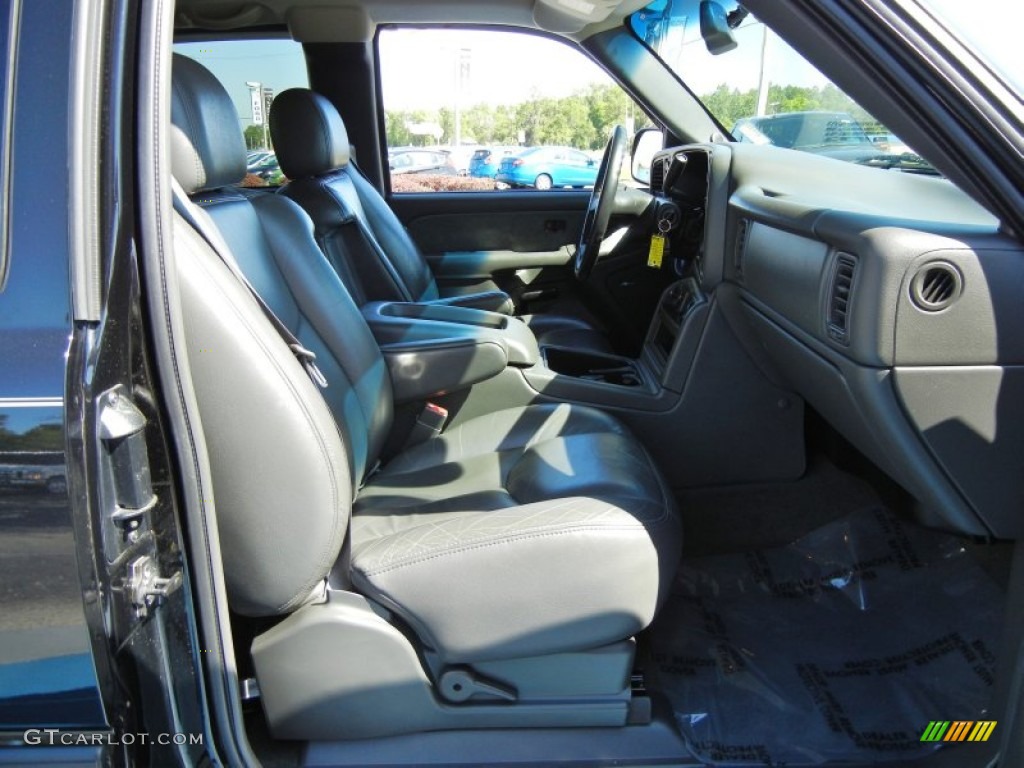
{"x":715,"y":28}
{"x":646,"y":143}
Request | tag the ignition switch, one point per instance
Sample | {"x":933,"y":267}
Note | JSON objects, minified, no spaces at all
{"x":668,"y":216}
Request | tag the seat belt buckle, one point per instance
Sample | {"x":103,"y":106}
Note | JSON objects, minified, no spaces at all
{"x":429,"y":424}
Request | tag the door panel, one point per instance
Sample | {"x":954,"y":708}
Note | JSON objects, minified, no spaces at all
{"x":515,"y":241}
{"x":479,"y":265}
{"x":519,"y":221}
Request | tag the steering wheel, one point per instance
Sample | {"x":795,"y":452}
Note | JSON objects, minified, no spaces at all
{"x":599,"y":209}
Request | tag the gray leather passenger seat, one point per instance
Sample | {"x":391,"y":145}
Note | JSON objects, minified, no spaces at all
{"x":524,"y":533}
{"x":362,"y":237}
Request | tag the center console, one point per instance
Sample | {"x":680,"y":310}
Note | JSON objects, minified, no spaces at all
{"x":675,"y":332}
{"x":592,"y":366}
{"x":679,"y":183}
{"x":647,"y":382}
{"x":433,"y":349}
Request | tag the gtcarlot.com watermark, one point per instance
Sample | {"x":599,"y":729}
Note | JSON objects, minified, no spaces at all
{"x":54,"y":737}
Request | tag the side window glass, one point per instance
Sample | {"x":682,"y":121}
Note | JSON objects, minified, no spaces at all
{"x":253,"y":72}
{"x":486,"y":111}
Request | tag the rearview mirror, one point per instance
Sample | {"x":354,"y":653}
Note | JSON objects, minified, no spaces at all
{"x":646,"y":143}
{"x":715,"y":28}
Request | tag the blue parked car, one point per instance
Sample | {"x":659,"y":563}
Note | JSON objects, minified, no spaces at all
{"x":485,"y":161}
{"x":257,"y":156}
{"x":547,"y":167}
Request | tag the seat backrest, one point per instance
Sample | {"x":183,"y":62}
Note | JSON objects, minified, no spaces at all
{"x":286,"y":458}
{"x":358,"y":231}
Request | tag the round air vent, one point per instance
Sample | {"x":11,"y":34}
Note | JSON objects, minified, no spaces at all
{"x":936,"y":286}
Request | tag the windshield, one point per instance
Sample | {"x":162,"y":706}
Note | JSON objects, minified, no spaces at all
{"x":992,"y":29}
{"x":760,"y":89}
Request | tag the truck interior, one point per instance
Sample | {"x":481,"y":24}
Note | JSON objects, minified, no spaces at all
{"x":715,"y":462}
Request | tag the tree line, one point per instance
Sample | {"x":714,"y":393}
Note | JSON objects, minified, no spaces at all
{"x":43,"y":437}
{"x":582,"y":120}
{"x":730,"y":104}
{"x":585,"y":118}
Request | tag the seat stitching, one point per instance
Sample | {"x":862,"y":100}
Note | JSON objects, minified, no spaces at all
{"x":427,"y":527}
{"x":506,"y":540}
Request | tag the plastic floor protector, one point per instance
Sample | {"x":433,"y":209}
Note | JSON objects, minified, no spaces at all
{"x":841,"y":646}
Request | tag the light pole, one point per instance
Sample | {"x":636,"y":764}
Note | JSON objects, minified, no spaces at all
{"x":762,"y":81}
{"x":256,"y":97}
{"x":463,"y":57}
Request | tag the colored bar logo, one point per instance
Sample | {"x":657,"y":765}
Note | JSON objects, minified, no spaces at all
{"x":958,"y":730}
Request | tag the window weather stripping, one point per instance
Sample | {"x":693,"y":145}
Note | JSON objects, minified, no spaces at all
{"x":84,"y":173}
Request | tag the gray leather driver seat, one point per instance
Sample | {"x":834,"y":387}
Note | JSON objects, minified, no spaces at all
{"x":527,"y":532}
{"x":362,"y":236}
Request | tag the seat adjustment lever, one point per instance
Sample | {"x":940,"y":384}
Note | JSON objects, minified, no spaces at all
{"x":461,"y":684}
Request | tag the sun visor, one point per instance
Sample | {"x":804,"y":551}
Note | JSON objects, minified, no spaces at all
{"x":214,"y":16}
{"x":330,"y":24}
{"x":571,"y":15}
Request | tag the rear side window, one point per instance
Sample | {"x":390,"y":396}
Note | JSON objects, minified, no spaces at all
{"x":463,"y":108}
{"x":253,"y":72}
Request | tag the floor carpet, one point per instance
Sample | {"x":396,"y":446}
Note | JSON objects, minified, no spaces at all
{"x":840,"y":646}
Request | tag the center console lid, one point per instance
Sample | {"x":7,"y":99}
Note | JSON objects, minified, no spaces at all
{"x":432,"y":349}
{"x":395,"y":322}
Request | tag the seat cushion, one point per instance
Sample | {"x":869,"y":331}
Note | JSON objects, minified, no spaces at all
{"x":524,"y":532}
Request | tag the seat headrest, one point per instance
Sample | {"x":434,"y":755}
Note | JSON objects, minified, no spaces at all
{"x":207,"y":148}
{"x":308,"y":134}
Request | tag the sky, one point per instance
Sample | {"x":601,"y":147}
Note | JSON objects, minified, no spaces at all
{"x":504,"y":67}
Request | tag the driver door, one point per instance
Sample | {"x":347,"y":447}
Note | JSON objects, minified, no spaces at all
{"x":520,"y":242}
{"x":476,"y":235}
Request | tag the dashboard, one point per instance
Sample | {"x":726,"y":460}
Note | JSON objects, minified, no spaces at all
{"x":890,"y":302}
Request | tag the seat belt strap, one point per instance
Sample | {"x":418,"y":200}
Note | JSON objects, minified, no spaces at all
{"x":357,"y":237}
{"x":205,"y":228}
{"x":358,"y":241}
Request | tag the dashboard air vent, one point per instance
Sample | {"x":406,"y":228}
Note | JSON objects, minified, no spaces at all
{"x":840,"y":296}
{"x":657,"y":175}
{"x":742,"y":232}
{"x":936,"y":286}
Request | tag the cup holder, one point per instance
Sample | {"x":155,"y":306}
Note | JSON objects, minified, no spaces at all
{"x":592,"y":367}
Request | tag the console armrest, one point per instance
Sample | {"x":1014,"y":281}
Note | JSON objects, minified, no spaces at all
{"x":423,"y":369}
{"x":489,"y":301}
{"x":407,"y":322}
